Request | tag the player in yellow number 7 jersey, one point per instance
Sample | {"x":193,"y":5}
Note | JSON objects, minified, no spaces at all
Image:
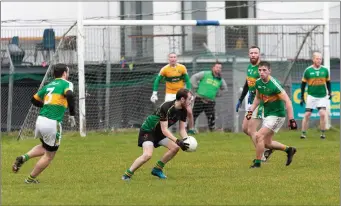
{"x":176,"y":76}
{"x":53,"y":99}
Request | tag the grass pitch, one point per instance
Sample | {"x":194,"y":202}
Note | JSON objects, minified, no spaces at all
{"x":87,"y":171}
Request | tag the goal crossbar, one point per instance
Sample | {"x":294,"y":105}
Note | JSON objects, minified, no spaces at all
{"x":229,"y":22}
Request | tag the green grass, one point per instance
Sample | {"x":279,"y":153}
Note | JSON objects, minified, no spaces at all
{"x":87,"y":171}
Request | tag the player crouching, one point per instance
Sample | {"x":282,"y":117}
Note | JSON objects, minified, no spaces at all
{"x":154,"y":132}
{"x":271,"y":93}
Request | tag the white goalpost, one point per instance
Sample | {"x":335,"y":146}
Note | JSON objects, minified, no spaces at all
{"x":82,"y":23}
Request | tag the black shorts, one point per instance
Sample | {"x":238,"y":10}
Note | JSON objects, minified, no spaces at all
{"x":48,"y":147}
{"x":152,"y":136}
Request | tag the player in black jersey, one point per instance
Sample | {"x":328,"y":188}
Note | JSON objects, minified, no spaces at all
{"x":154,"y":132}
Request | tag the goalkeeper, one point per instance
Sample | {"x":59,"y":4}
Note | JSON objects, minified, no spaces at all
{"x":176,"y":76}
{"x":207,"y":85}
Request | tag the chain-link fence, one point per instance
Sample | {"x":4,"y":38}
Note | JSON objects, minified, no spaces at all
{"x":132,"y":74}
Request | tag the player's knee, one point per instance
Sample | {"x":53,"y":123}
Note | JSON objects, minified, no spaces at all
{"x":259,"y":136}
{"x":307,"y":115}
{"x":146,"y":156}
{"x":322,"y":113}
{"x":245,"y":130}
{"x":175,"y":149}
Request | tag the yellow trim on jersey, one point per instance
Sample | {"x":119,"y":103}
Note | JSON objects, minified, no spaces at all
{"x":56,"y":99}
{"x":37,"y":98}
{"x":271,"y":98}
{"x":317,"y":81}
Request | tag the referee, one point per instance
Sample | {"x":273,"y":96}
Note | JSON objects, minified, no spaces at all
{"x":207,"y":86}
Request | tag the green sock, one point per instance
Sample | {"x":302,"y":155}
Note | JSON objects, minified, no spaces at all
{"x":258,"y":161}
{"x":159,"y":165}
{"x":30,"y":178}
{"x":322,"y":132}
{"x":304,"y":133}
{"x":129,"y":173}
{"x":26,"y":157}
{"x":286,"y":148}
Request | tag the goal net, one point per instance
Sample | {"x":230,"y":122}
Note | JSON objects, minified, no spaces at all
{"x":122,"y":62}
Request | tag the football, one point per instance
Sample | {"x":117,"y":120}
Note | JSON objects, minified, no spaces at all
{"x":192,"y":144}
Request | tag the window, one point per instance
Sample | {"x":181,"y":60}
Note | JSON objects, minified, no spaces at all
{"x":196,"y":36}
{"x":239,"y":36}
{"x":135,"y":43}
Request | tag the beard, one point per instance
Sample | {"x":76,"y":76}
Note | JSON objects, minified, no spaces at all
{"x":254,"y":60}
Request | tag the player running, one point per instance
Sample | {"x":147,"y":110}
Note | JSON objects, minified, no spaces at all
{"x":176,"y":76}
{"x":318,"y":79}
{"x":53,"y":99}
{"x":154,"y":132}
{"x":273,"y":96}
{"x":250,"y":127}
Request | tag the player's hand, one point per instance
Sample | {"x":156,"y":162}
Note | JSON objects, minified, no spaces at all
{"x":239,"y":104}
{"x":191,"y":131}
{"x":292,"y":124}
{"x":249,"y":115}
{"x":302,"y":101}
{"x":251,"y":97}
{"x":184,"y":146}
{"x":330,"y":96}
{"x":154,"y":98}
{"x":72,"y":121}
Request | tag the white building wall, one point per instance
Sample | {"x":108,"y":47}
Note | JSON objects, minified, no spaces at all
{"x":164,"y":45}
{"x":277,"y":41}
{"x":276,"y":45}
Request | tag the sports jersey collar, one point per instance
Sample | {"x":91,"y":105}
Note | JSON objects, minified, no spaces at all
{"x":269,"y":77}
{"x":316,"y":68}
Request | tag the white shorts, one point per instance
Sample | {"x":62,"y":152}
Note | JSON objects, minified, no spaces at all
{"x":49,"y":131}
{"x":315,"y":102}
{"x":274,"y":123}
{"x":170,"y":97}
{"x":258,"y":113}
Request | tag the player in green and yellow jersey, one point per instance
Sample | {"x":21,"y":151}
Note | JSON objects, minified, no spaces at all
{"x":318,"y":79}
{"x":53,"y":99}
{"x":276,"y":103}
{"x":250,"y":127}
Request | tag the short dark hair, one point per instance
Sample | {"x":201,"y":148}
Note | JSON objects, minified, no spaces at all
{"x":59,"y":69}
{"x":264,"y":64}
{"x":182,"y":93}
{"x":254,"y":47}
{"x":217,"y":62}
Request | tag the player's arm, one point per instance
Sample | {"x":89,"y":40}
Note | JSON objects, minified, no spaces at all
{"x":256,"y":102}
{"x":288,"y":105}
{"x":223,"y":88}
{"x":244,"y":92}
{"x":38,"y":98}
{"x":182,"y":129}
{"x":303,"y":85}
{"x":195,"y":79}
{"x":154,"y":98}
{"x":186,"y":78}
{"x":166,"y":132}
{"x":328,"y":84}
{"x":70,"y":98}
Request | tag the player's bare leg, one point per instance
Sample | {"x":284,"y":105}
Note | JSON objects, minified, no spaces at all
{"x":148,"y":148}
{"x":40,"y":166}
{"x":173,"y":149}
{"x":36,"y":151}
{"x":305,"y":123}
{"x":245,"y":127}
{"x":323,"y":119}
{"x":264,"y":139}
